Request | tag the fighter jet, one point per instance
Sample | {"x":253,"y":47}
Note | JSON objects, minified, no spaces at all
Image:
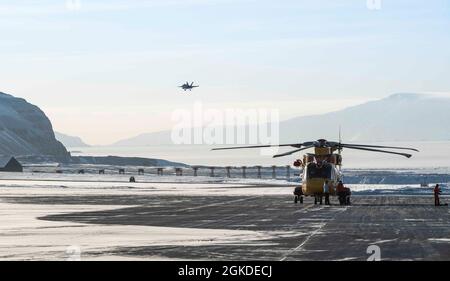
{"x":186,"y":86}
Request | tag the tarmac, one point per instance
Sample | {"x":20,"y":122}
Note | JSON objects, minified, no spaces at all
{"x":384,"y":227}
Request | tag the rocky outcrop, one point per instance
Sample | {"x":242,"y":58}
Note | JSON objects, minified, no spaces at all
{"x":25,"y":131}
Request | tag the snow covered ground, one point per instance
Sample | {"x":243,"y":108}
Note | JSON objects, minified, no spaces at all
{"x":26,"y":198}
{"x":26,"y":237}
{"x":360,"y":181}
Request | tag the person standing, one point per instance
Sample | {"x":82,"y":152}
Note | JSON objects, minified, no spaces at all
{"x":437,"y":192}
{"x":326,"y":192}
{"x":340,"y":191}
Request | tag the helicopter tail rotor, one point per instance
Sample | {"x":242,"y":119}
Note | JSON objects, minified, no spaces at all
{"x":340,"y":141}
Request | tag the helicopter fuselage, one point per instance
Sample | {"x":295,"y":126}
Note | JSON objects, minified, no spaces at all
{"x":322,"y":166}
{"x":312,"y":184}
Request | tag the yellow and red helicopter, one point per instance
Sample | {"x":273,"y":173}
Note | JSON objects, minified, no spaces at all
{"x":324,"y":164}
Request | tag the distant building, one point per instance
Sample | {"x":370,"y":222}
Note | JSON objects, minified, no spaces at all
{"x":10,"y":164}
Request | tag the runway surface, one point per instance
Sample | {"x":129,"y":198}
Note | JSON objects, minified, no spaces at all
{"x":129,"y":225}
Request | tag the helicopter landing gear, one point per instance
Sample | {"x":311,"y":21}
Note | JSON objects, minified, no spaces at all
{"x":298,"y":198}
{"x":298,"y":195}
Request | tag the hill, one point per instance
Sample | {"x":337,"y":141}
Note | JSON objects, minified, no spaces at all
{"x":399,"y":117}
{"x":25,"y":130}
{"x":70,"y":141}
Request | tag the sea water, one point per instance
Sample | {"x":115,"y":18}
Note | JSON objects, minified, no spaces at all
{"x":433,"y":156}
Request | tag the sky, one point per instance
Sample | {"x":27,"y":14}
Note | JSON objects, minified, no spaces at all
{"x":105,"y":70}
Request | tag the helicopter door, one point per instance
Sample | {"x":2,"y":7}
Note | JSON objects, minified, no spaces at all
{"x":333,"y":175}
{"x":305,"y":173}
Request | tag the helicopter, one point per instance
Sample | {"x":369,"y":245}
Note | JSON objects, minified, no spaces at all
{"x":324,"y":164}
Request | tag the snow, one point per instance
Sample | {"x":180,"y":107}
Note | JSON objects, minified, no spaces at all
{"x":32,"y":239}
{"x":441,"y":240}
{"x":26,"y":130}
{"x":187,"y":185}
{"x":26,"y":237}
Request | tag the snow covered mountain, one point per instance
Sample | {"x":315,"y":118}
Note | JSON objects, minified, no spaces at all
{"x":399,"y":117}
{"x":70,"y":141}
{"x":157,"y":138}
{"x":26,"y":131}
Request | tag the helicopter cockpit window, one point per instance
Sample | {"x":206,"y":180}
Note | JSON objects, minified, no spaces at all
{"x":314,"y":171}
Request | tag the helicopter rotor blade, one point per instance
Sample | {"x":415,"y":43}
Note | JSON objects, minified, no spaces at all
{"x":380,"y":146}
{"x":292,"y":151}
{"x":259,"y":146}
{"x":296,"y":145}
{"x":377,"y":150}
